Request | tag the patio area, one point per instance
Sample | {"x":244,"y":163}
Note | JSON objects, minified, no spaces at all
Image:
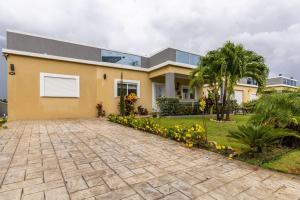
{"x":97,"y":159}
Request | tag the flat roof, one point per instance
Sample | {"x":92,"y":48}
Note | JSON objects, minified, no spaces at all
{"x":94,"y":46}
{"x":106,"y":64}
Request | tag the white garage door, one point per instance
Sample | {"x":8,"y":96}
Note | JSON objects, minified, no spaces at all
{"x":238,"y":96}
{"x":253,"y":96}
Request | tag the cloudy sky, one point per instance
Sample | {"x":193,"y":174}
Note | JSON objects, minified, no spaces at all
{"x":270,"y":27}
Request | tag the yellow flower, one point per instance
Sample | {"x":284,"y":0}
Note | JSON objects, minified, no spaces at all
{"x":202,"y":105}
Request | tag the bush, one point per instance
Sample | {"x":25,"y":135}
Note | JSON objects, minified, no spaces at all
{"x":168,"y":106}
{"x":100,"y":111}
{"x":191,"y":137}
{"x":130,"y":100}
{"x":294,"y":124}
{"x":257,"y":138}
{"x":250,"y":106}
{"x":277,"y":110}
{"x":172,"y":106}
{"x":142,"y":111}
{"x":3,"y":120}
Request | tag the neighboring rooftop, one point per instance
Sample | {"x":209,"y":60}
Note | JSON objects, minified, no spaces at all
{"x":282,"y":80}
{"x":20,"y":41}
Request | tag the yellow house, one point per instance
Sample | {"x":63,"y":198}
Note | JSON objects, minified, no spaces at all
{"x":242,"y":92}
{"x":50,"y":78}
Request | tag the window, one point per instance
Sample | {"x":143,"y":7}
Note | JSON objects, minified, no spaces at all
{"x":251,"y":81}
{"x":194,"y":59}
{"x":121,"y":58}
{"x":187,"y":93}
{"x":59,"y":85}
{"x":129,"y":86}
{"x":289,"y":82}
{"x":182,"y":57}
{"x":187,"y":58}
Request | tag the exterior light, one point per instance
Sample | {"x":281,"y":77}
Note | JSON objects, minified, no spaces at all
{"x":12,"y":69}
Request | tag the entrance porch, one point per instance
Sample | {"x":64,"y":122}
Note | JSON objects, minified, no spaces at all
{"x":173,"y":85}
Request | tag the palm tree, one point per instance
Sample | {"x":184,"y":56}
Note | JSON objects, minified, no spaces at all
{"x":241,"y":63}
{"x":209,"y":72}
{"x":224,"y":67}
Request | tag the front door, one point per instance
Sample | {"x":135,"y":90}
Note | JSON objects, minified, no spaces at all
{"x":158,"y":90}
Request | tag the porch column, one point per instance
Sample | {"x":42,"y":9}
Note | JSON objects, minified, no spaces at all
{"x":170,"y":85}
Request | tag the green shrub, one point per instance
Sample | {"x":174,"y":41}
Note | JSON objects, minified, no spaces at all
{"x":168,"y":106}
{"x":277,"y":109}
{"x":172,"y":106}
{"x":257,"y":138}
{"x":3,"y":120}
{"x":250,"y":106}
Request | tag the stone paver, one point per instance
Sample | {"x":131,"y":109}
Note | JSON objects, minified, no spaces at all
{"x":97,"y":159}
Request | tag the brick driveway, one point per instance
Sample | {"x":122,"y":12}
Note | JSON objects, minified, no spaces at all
{"x":97,"y":159}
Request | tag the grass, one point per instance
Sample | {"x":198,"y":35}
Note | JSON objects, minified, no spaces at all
{"x":289,"y":163}
{"x":283,"y":160}
{"x":216,"y":131}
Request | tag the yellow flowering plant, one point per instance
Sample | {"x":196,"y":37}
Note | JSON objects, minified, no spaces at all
{"x":202,"y":105}
{"x":130,"y":100}
{"x":193,"y":136}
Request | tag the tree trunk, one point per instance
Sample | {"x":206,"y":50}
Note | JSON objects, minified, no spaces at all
{"x":224,"y":99}
{"x":228,"y":108}
{"x":217,"y":106}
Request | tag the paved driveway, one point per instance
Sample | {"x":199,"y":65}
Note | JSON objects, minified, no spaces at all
{"x":97,"y":159}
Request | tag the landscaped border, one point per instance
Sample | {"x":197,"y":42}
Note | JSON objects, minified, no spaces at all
{"x":193,"y":136}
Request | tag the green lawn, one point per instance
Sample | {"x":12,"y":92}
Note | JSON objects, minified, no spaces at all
{"x":289,"y":162}
{"x":216,"y":131}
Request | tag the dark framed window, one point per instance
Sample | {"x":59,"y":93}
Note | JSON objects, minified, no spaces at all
{"x":121,"y":58}
{"x":128,"y":88}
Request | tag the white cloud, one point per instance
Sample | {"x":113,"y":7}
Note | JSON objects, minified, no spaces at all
{"x":270,"y":27}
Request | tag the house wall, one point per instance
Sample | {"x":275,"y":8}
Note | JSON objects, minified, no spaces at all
{"x":281,"y":88}
{"x":168,"y":54}
{"x":24,"y":89}
{"x":169,"y":69}
{"x":273,"y":81}
{"x":247,"y":91}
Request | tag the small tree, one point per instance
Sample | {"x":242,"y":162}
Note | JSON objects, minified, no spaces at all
{"x":122,"y":97}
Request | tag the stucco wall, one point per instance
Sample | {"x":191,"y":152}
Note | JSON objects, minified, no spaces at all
{"x":247,"y":91}
{"x":24,"y":89}
{"x":281,"y":88}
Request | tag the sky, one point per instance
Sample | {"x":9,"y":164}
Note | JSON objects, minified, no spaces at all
{"x":269,"y":27}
